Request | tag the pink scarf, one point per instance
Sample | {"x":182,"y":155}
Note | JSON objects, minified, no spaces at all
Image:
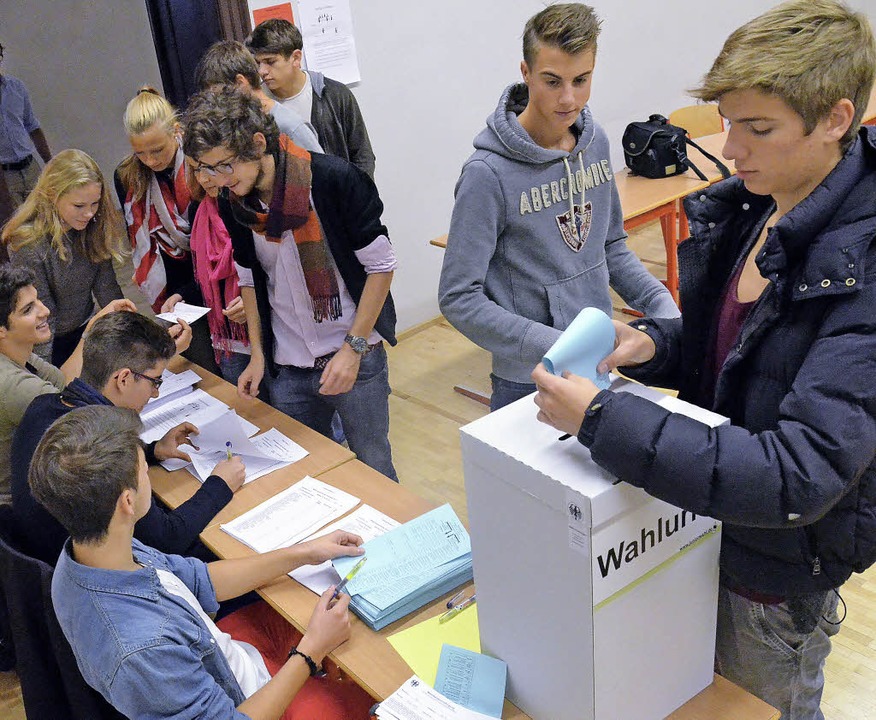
{"x":214,"y":262}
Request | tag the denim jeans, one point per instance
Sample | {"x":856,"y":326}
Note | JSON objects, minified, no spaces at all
{"x":506,"y":392}
{"x":777,"y":652}
{"x":364,"y":409}
{"x":232,"y":365}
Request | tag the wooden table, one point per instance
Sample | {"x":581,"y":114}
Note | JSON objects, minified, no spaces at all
{"x":174,"y":488}
{"x":373,"y":663}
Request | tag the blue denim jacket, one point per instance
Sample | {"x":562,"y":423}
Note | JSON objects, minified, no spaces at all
{"x":143,"y":649}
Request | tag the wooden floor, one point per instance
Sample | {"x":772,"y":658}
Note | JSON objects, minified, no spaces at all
{"x":425,"y":418}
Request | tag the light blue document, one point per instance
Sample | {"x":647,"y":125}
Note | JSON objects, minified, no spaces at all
{"x":472,"y":680}
{"x":408,"y":567}
{"x":582,"y":346}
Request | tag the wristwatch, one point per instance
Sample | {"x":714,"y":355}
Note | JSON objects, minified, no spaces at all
{"x":359,"y":344}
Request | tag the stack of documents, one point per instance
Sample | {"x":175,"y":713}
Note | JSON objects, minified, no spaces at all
{"x":290,"y":516}
{"x":408,"y":567}
{"x":415,"y":700}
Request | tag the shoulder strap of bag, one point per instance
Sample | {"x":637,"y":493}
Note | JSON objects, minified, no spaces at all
{"x":722,"y":168}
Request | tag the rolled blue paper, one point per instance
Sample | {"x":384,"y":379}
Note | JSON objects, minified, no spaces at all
{"x":582,"y":346}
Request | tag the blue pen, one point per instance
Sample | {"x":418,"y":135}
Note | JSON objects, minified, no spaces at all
{"x":456,"y":609}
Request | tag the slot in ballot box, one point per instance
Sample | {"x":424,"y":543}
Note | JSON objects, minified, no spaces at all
{"x":601,"y":599}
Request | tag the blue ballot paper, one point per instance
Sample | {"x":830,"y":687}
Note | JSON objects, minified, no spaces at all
{"x":472,"y":680}
{"x":408,"y":567}
{"x":582,"y":346}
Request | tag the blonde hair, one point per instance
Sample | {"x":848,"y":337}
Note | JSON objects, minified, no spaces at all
{"x":147,"y":109}
{"x":809,"y":53}
{"x":571,"y":27}
{"x":38,"y":218}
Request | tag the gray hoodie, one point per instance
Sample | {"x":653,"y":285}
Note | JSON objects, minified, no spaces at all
{"x":518,"y":269}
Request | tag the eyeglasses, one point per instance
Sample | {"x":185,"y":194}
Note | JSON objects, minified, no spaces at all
{"x":156,"y":382}
{"x":226,"y":167}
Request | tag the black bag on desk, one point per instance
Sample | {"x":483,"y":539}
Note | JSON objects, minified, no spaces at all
{"x":656,"y":149}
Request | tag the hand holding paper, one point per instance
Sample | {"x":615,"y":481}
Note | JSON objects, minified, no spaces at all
{"x":582,"y":346}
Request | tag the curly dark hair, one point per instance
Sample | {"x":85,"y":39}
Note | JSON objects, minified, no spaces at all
{"x":227,"y":118}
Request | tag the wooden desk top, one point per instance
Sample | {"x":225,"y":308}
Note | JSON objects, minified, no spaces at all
{"x":177,"y":487}
{"x":639,"y":195}
{"x":372,"y":662}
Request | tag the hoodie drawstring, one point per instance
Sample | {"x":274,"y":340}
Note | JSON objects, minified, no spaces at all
{"x":572,"y":216}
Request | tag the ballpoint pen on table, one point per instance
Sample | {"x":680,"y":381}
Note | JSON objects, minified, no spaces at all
{"x":349,"y":576}
{"x":228,"y":449}
{"x":456,"y":609}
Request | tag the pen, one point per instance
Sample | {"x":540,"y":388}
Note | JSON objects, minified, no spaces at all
{"x":228,"y":449}
{"x":456,"y":609}
{"x":454,"y":599}
{"x":343,"y":584}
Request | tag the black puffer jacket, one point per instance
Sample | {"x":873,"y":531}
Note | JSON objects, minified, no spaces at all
{"x":793,"y":476}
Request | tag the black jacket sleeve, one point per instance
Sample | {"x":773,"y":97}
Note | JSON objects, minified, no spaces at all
{"x":175,"y":531}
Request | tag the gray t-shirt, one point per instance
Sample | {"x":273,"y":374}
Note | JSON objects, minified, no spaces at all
{"x":18,"y":387}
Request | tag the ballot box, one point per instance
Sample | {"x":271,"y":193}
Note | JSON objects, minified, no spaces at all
{"x":601,"y":599}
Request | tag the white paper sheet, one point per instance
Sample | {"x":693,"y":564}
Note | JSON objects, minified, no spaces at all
{"x":366,"y":522}
{"x":196,"y":407}
{"x":415,"y":700}
{"x":261,"y":455}
{"x":184,"y":311}
{"x":291,"y":515}
{"x":330,"y":47}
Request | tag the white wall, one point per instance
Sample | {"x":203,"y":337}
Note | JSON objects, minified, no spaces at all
{"x":82,"y":60}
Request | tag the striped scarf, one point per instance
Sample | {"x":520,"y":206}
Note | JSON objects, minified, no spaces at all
{"x":157,"y":222}
{"x":291,"y":209}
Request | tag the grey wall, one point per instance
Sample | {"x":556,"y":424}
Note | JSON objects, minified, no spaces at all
{"x":82,"y":60}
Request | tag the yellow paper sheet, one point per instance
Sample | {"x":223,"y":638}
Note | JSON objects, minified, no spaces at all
{"x":420,"y":646}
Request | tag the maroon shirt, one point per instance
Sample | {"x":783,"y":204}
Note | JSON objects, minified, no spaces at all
{"x":729,"y":319}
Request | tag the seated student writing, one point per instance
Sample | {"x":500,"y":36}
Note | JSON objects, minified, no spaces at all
{"x":24,"y":323}
{"x":124,"y":356}
{"x":137,"y":619}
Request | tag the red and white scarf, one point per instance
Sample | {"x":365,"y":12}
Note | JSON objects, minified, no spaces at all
{"x":158,"y":219}
{"x":214,"y":264}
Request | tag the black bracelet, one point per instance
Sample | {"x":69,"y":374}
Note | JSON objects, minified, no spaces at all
{"x":315,"y":671}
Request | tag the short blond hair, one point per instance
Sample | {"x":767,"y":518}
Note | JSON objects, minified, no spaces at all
{"x":571,"y":27}
{"x":809,"y":53}
{"x":38,"y":219}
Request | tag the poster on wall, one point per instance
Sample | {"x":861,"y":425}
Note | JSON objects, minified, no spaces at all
{"x":329,"y":44}
{"x":283,"y":11}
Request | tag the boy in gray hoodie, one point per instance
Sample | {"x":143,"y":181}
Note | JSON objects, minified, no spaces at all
{"x":537,"y":228}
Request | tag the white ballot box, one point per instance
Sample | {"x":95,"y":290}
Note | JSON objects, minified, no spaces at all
{"x":601,"y":599}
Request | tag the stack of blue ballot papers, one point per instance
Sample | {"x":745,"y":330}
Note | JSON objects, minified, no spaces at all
{"x":408,"y":567}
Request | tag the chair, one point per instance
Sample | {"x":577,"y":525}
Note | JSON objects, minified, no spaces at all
{"x":698,"y":120}
{"x":51,"y":684}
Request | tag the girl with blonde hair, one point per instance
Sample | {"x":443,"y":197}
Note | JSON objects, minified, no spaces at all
{"x":68,"y":233}
{"x":152,"y":190}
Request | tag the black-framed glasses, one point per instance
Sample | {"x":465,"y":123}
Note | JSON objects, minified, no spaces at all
{"x":156,"y":382}
{"x":226,"y":167}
